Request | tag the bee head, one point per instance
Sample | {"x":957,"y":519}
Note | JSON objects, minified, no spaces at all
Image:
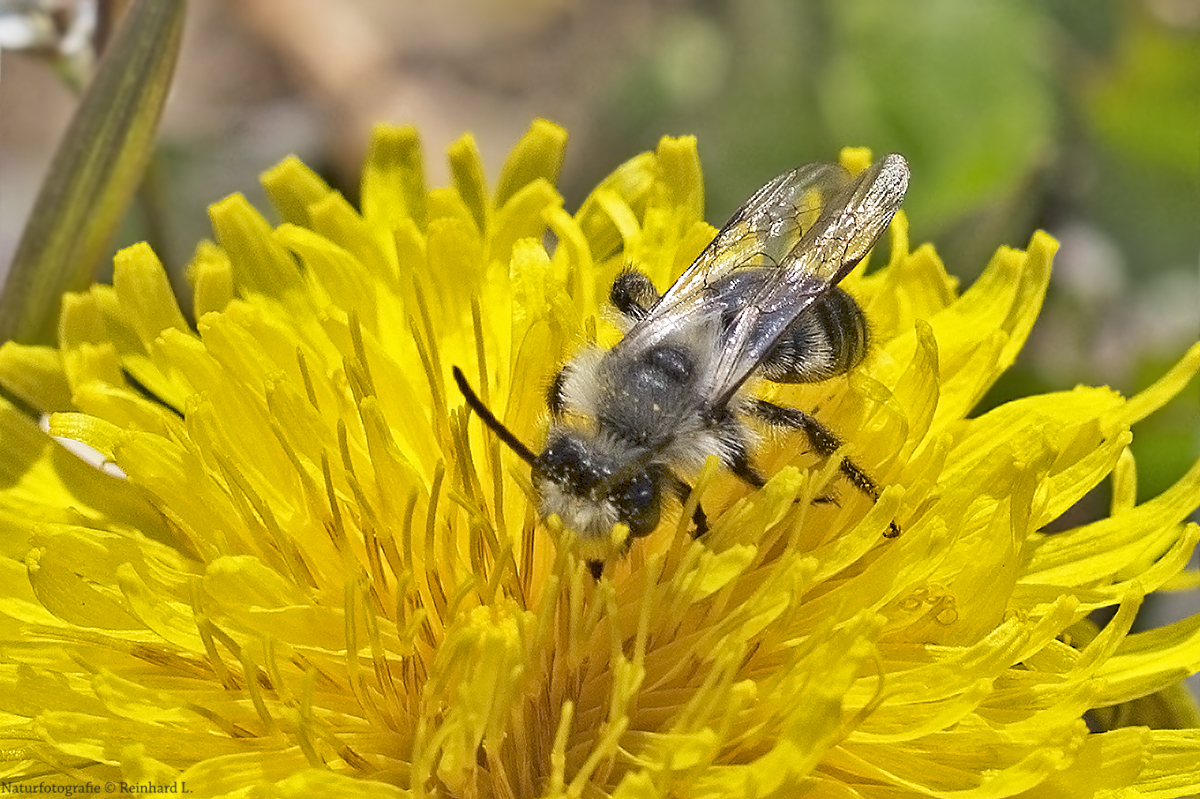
{"x":591,"y":487}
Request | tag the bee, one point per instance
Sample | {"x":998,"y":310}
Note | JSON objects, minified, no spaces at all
{"x":761,"y":301}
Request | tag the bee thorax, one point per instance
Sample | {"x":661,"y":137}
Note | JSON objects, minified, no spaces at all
{"x":644,"y":399}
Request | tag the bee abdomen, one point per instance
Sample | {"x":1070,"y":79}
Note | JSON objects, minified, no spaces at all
{"x":828,"y":339}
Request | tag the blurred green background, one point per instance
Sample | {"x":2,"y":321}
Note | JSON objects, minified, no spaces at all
{"x":1078,"y":116}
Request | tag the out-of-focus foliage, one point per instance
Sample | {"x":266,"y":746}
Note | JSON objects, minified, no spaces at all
{"x":96,"y":171}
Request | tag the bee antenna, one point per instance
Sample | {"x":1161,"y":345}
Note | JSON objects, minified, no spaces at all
{"x":490,"y":419}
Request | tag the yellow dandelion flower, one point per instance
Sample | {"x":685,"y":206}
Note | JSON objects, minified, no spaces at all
{"x":316,"y":574}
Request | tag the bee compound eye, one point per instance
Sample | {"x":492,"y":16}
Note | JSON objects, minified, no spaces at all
{"x":639,"y":503}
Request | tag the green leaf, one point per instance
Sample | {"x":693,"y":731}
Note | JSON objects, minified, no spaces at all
{"x":96,"y":170}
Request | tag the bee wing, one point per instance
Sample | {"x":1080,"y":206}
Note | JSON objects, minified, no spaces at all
{"x":807,"y":228}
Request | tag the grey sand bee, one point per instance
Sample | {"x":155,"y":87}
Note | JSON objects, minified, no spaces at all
{"x":760,"y":302}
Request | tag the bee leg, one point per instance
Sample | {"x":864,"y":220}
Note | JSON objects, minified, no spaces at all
{"x":823,"y":441}
{"x":740,"y":466}
{"x":682,"y":491}
{"x":633,"y":294}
